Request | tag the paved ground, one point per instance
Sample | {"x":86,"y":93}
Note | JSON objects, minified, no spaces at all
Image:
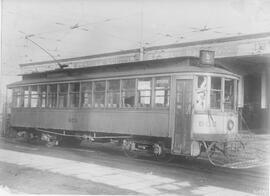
{"x":36,"y":169}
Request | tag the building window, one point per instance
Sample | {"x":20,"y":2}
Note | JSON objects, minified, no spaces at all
{"x":25,"y":96}
{"x":99,"y":94}
{"x":42,"y":95}
{"x":52,"y":95}
{"x":86,"y":95}
{"x":113,"y":94}
{"x":63,"y":95}
{"x":162,"y":92}
{"x":128,"y":93}
{"x":34,"y":97}
{"x":17,"y":97}
{"x":201,"y":93}
{"x":144,"y":92}
{"x":215,"y":93}
{"x":229,"y":94}
{"x":74,"y":94}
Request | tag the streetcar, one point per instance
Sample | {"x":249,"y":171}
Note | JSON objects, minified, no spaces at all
{"x":179,"y":106}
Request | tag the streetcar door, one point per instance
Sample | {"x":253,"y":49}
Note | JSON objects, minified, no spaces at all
{"x":183,"y":104}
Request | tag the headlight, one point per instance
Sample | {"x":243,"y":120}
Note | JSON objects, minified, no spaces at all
{"x":230,"y":125}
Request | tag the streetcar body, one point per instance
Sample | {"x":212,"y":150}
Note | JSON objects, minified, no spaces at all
{"x":169,"y":103}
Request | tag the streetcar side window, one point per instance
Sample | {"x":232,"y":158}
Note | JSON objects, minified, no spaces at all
{"x":215,"y":93}
{"x":63,"y":95}
{"x":42,"y":95}
{"x":162,"y":92}
{"x":16,"y":97}
{"x":113,"y":94}
{"x":144,"y":92}
{"x":74,"y":95}
{"x":201,"y":93}
{"x":34,"y":96}
{"x":99,"y":94}
{"x":86,"y":95}
{"x":52,"y":95}
{"x":25,"y":95}
{"x":128,"y":93}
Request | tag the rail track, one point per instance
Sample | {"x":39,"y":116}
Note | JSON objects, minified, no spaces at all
{"x":176,"y":162}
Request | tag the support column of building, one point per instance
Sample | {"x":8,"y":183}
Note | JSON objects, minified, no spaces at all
{"x":268,"y":97}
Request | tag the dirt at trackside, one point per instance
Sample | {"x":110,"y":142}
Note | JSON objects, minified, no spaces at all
{"x":18,"y":179}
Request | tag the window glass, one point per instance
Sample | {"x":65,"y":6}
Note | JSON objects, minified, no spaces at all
{"x":26,"y":94}
{"x":42,"y":95}
{"x":201,"y":93}
{"x":215,"y":94}
{"x":52,"y":95}
{"x":34,"y":97}
{"x":74,"y":94}
{"x":144,"y":92}
{"x":100,"y":86}
{"x":229,"y":94}
{"x":162,"y":92}
{"x":16,"y":97}
{"x":62,"y":95}
{"x":114,"y":85}
{"x":128,"y":93}
{"x":99,"y":94}
{"x":113,"y":94}
{"x":86,"y":95}
{"x":216,"y":83}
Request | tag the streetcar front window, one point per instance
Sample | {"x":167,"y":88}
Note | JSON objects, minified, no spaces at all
{"x":229,"y":94}
{"x":201,"y":93}
{"x":215,"y":93}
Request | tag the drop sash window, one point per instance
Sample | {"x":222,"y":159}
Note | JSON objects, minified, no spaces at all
{"x":63,"y":95}
{"x":128,"y":90}
{"x":99,"y":94}
{"x":17,"y":97}
{"x":144,"y":92}
{"x":52,"y":95}
{"x":34,"y":96}
{"x":113,"y":94}
{"x":162,"y":92}
{"x":86,"y":94}
{"x":74,"y":94}
{"x":26,"y":94}
{"x":42,"y":95}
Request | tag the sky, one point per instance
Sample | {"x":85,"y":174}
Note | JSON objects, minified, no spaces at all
{"x":73,"y":28}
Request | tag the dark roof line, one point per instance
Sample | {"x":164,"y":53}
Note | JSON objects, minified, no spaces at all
{"x":84,"y":57}
{"x":209,"y":41}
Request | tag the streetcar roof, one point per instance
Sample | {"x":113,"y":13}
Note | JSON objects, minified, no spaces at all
{"x":164,"y":67}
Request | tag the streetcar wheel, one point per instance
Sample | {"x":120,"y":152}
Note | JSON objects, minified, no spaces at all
{"x":160,"y":154}
{"x":128,"y":147}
